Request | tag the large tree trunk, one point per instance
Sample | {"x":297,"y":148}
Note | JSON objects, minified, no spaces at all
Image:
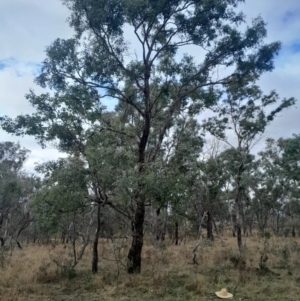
{"x":277,"y":223}
{"x":134,"y":258}
{"x":210,"y":235}
{"x":95,"y":244}
{"x":238,"y":228}
{"x":238,"y":205}
{"x":159,"y":226}
{"x":293,"y":232}
{"x":233,"y":223}
{"x":135,"y":252}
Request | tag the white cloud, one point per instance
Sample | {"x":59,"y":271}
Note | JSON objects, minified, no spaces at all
{"x":282,"y":18}
{"x":28,"y":26}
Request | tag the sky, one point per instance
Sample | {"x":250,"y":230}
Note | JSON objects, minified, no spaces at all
{"x":27,"y":27}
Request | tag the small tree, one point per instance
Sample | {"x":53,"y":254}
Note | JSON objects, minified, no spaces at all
{"x":16,"y":190}
{"x":279,"y":175}
{"x":210,"y":189}
{"x":62,"y":204}
{"x":242,"y":113}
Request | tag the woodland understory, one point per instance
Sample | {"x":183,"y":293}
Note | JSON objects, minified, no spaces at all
{"x":267,"y":270}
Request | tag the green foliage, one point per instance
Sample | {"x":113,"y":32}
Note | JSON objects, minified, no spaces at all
{"x":16,"y":190}
{"x":277,"y":178}
{"x":212,"y":182}
{"x":84,"y":71}
{"x":290,"y":148}
{"x":64,"y":192}
{"x":242,"y":109}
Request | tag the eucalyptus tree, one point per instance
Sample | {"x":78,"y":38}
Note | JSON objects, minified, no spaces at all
{"x":169,"y":179}
{"x":16,"y":190}
{"x":279,"y":169}
{"x":261,"y":204}
{"x":210,"y":190}
{"x":182,"y":149}
{"x":290,"y":154}
{"x":267,"y":187}
{"x":153,"y":78}
{"x":62,"y":204}
{"x":110,"y":165}
{"x":230,"y":165}
{"x":75,"y":189}
{"x":290,"y":163}
{"x":243,"y":115}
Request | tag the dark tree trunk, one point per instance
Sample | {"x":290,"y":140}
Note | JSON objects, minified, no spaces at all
{"x":176,"y":233}
{"x":209,"y":227}
{"x":238,"y":209}
{"x":233,"y":217}
{"x":95,"y":244}
{"x":134,"y":258}
{"x":239,"y":237}
{"x":19,"y":245}
{"x":63,"y":237}
{"x":238,"y":226}
{"x":293,"y":232}
{"x":135,"y":252}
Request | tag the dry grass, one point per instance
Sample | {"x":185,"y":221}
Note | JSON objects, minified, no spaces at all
{"x":41,"y":272}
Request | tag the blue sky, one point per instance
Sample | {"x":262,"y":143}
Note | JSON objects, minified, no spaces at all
{"x":29,"y":26}
{"x":294,"y":47}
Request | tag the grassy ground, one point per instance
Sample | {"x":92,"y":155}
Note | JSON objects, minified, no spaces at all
{"x":269,"y":270}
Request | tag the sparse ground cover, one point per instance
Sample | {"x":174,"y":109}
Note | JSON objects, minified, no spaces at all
{"x":268,"y":270}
